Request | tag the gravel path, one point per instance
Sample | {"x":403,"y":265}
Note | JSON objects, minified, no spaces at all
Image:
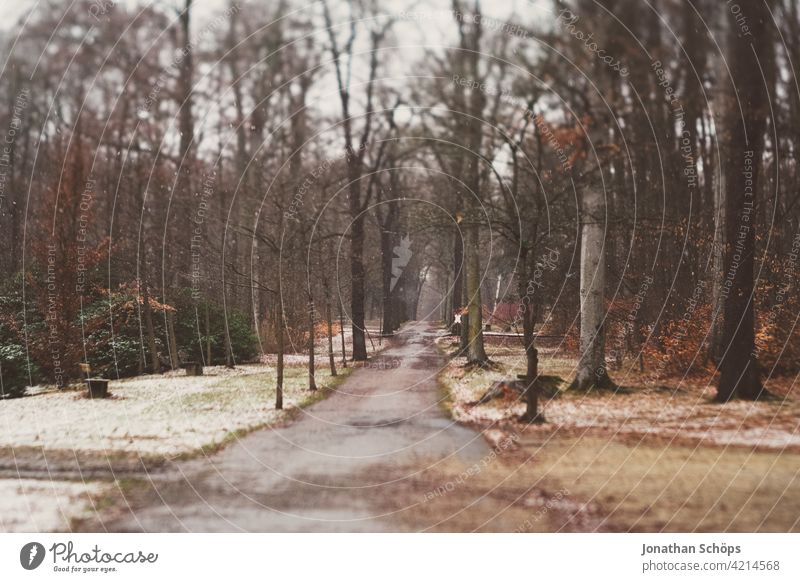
{"x":353,"y":462}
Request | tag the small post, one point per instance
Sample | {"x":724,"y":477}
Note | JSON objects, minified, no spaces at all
{"x":532,"y":415}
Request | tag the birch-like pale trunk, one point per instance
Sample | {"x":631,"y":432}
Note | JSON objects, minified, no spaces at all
{"x":476,"y":354}
{"x":592,"y":372}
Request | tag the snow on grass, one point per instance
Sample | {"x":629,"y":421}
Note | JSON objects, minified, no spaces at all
{"x":686,"y":414}
{"x":158,"y":415}
{"x":28,"y":505}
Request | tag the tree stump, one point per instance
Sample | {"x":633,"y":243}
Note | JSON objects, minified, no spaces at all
{"x":98,"y":387}
{"x":193,"y":368}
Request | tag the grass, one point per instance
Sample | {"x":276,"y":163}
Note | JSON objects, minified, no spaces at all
{"x":675,"y":488}
{"x":260,"y":386}
{"x":648,"y":460}
{"x":154,"y":417}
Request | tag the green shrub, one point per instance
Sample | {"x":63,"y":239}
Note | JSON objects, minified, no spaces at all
{"x":14,"y":371}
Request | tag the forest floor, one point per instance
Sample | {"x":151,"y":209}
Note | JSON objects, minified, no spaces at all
{"x":660,"y":456}
{"x":672,"y":410}
{"x":53,"y":443}
{"x":398,"y":447}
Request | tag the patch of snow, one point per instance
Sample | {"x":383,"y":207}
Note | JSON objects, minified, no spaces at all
{"x":28,"y":505}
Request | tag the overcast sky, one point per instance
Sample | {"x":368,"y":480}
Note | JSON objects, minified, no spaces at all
{"x":13,"y":9}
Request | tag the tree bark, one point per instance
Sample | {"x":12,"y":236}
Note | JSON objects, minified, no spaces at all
{"x":329,"y":319}
{"x":279,"y":337}
{"x":592,"y":371}
{"x":208,"y":336}
{"x":312,"y":381}
{"x":173,"y":342}
{"x":386,"y":265}
{"x":476,"y":354}
{"x":357,"y":289}
{"x":155,"y":365}
{"x":750,"y":57}
{"x":344,"y":346}
{"x":714,"y":348}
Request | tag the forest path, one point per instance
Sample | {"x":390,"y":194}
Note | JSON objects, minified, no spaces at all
{"x":377,"y":448}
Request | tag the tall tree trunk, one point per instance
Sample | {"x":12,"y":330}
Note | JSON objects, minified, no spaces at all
{"x":357,"y":288}
{"x":174,"y":360}
{"x":344,"y":347}
{"x":279,"y":336}
{"x":312,"y":381}
{"x":750,"y":57}
{"x":155,"y":365}
{"x":229,"y":361}
{"x":386,"y":265}
{"x":464,"y":345}
{"x":208,"y":336}
{"x":329,"y":320}
{"x":714,"y":348}
{"x":592,"y":371}
{"x":183,"y":181}
{"x":476,"y":354}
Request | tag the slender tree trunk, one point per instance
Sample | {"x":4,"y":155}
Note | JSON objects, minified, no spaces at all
{"x":229,"y":362}
{"x":279,"y":337}
{"x":312,"y":381}
{"x":465,"y":315}
{"x":357,"y":291}
{"x":529,"y":310}
{"x":714,"y":349}
{"x":155,"y":365}
{"x":592,"y":371}
{"x":344,"y":347}
{"x":183,"y":181}
{"x":173,"y":342}
{"x":208,"y":337}
{"x":475,"y":350}
{"x":386,"y":264}
{"x":329,"y":320}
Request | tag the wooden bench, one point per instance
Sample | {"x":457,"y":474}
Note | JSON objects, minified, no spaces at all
{"x":193,"y":368}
